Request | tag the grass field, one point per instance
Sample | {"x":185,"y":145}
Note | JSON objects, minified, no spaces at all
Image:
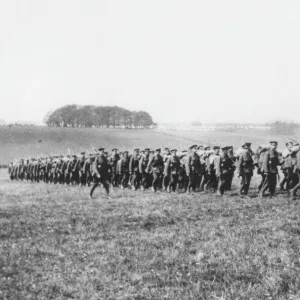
{"x":56,"y":243}
{"x":28,"y":141}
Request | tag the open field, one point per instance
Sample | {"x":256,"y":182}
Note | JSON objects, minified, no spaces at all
{"x":17,"y":142}
{"x":56,"y":243}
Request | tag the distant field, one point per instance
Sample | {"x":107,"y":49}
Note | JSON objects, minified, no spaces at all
{"x":30,"y":141}
{"x":56,"y":243}
{"x":17,"y":142}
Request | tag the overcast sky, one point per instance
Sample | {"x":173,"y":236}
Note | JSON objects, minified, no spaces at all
{"x":179,"y":60}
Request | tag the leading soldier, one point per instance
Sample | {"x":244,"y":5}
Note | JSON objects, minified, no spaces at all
{"x":100,"y":172}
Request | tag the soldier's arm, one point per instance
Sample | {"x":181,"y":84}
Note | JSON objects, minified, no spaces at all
{"x":187,"y":165}
{"x":141,"y":165}
{"x":265,"y":163}
{"x":95,"y":168}
{"x":298,"y":161}
{"x":217,"y":164}
{"x":131,"y":164}
{"x":167,"y":166}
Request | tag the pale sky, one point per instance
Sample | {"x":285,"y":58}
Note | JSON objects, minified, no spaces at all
{"x":180,"y":60}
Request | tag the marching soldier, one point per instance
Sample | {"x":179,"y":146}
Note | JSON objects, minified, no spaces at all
{"x":223,"y":169}
{"x":287,"y":169}
{"x":143,"y":163}
{"x":100,"y":172}
{"x":71,"y":172}
{"x":123,"y":170}
{"x":192,"y":168}
{"x":270,"y":163}
{"x":245,"y":169}
{"x":172,"y":170}
{"x":134,"y":169}
{"x":155,"y":167}
{"x":294,"y":190}
{"x":113,"y":161}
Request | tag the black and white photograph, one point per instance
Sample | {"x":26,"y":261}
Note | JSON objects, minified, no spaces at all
{"x":149,"y":150}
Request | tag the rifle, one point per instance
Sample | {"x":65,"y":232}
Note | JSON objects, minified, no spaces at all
{"x":95,"y":149}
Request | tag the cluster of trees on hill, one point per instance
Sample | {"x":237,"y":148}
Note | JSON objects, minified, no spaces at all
{"x":98,"y":116}
{"x":283,"y":128}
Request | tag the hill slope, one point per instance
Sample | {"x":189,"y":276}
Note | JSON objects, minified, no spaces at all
{"x":16,"y":142}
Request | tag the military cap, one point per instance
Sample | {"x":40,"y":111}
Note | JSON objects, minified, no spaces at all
{"x":274,"y":142}
{"x":74,"y":155}
{"x":101,"y":149}
{"x":207,"y":147}
{"x":224,"y":148}
{"x":166,"y":148}
{"x":125,"y":151}
{"x":296,"y":144}
{"x":216,"y":147}
{"x":247,"y":145}
{"x":193,"y":146}
{"x":114,"y":149}
{"x":147,"y":149}
{"x":200,"y":146}
{"x":105,"y":152}
{"x":158,"y":149}
{"x":174,"y":150}
{"x":82,"y":153}
{"x":184,"y":151}
{"x":136,"y":149}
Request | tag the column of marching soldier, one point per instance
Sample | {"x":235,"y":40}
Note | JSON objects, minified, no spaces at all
{"x":198,"y":169}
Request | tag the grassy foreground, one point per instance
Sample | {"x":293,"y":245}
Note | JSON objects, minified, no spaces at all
{"x":56,"y":243}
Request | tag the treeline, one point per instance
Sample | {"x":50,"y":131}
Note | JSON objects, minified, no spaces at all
{"x":283,"y":128}
{"x":98,"y":116}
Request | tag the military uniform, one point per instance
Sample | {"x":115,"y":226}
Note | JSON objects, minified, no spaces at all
{"x":100,"y":173}
{"x":171,"y":171}
{"x":245,"y":170}
{"x":223,"y":167}
{"x":134,"y":170}
{"x":156,"y":168}
{"x":269,"y":167}
{"x":192,"y":168}
{"x":123,"y":170}
{"x":296,"y":170}
{"x":143,"y":163}
{"x":113,"y":161}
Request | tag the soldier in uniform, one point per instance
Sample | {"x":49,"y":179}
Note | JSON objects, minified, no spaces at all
{"x":71,"y":172}
{"x":223,"y":168}
{"x":134,"y":169}
{"x":296,"y":171}
{"x":270,"y":164}
{"x":100,"y":172}
{"x":166,"y":155}
{"x":143,"y":163}
{"x":245,"y":169}
{"x":171,"y":171}
{"x":123,"y":169}
{"x":192,"y":168}
{"x":113,"y":160}
{"x":156,"y":167}
{"x":287,"y":169}
{"x":234,"y":160}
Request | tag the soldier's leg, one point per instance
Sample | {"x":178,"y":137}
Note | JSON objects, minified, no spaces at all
{"x":284,"y":180}
{"x":166,"y":182}
{"x":247,"y":183}
{"x":155,"y":181}
{"x":273,"y":183}
{"x":96,"y":183}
